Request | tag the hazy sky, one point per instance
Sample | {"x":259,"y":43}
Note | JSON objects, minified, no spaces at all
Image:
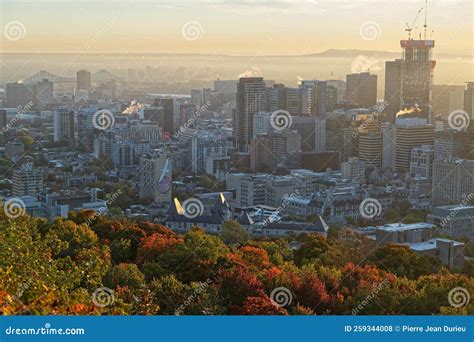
{"x":233,"y":27}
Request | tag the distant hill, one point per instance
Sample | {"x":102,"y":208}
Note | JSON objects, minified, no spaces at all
{"x":352,"y":53}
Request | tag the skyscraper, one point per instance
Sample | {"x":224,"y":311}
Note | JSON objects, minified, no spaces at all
{"x":417,"y":74}
{"x":167,"y":121}
{"x":250,"y":99}
{"x":362,"y":89}
{"x":469,"y":100}
{"x":155,"y":178}
{"x":83,"y":80}
{"x":410,"y":133}
{"x":393,"y":87}
{"x":19,"y":94}
{"x":64,"y":125}
{"x":44,"y":94}
{"x":452,"y":181}
{"x":323,"y":98}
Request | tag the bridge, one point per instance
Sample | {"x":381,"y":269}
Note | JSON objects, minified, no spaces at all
{"x":99,"y":76}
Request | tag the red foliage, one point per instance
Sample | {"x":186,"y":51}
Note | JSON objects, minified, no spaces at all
{"x":261,"y":305}
{"x":255,"y":257}
{"x":237,"y":284}
{"x":156,"y":244}
{"x":311,"y":292}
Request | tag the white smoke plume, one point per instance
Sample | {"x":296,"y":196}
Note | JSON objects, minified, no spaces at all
{"x":134,"y":107}
{"x":252,"y":72}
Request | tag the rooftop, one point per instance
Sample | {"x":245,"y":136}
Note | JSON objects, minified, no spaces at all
{"x":392,"y":227}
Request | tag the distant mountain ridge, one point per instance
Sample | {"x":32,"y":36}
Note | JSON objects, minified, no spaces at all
{"x":352,"y":53}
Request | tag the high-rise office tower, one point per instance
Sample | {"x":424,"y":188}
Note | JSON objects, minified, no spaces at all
{"x":323,"y":98}
{"x":83,"y":79}
{"x":19,"y":94}
{"x":393,"y":88}
{"x":469,"y":100}
{"x":306,"y":89}
{"x":410,"y":133}
{"x":276,"y":149}
{"x":167,"y":123}
{"x":452,"y":144}
{"x":340,"y":86}
{"x":370,"y":149}
{"x":250,"y":99}
{"x":3,"y":118}
{"x":312,"y":130}
{"x":27,"y":181}
{"x":155,"y":178}
{"x":44,"y":94}
{"x":281,"y":97}
{"x":361,"y":89}
{"x":417,"y":75}
{"x":64,"y":125}
{"x":452,"y":181}
{"x":85,"y":128}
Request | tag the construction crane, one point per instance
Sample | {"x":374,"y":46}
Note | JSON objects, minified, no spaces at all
{"x":410,"y":28}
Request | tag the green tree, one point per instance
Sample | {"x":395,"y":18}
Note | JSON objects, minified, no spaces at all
{"x":233,"y":233}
